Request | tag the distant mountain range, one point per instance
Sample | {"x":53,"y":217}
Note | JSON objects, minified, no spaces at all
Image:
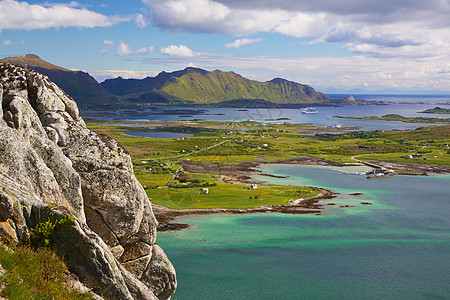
{"x":191,"y":86}
{"x":197,"y":86}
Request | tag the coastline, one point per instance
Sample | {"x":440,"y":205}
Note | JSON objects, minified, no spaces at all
{"x":166,"y":215}
{"x":241,"y":173}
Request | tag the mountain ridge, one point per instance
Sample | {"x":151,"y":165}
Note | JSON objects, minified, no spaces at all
{"x":188,"y":87}
{"x":213,"y":87}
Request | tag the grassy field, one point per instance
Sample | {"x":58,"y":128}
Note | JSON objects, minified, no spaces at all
{"x":395,"y":117}
{"x":228,"y":196}
{"x":284,"y":141}
{"x":155,"y":160}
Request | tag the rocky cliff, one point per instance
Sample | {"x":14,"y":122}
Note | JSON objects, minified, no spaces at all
{"x":53,"y":168}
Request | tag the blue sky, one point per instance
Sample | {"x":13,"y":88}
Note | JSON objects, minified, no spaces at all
{"x":348,"y":45}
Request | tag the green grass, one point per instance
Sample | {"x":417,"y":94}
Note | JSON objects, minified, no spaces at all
{"x":34,"y":275}
{"x":395,"y":117}
{"x":291,"y":142}
{"x":221,"y":195}
{"x":433,"y":157}
{"x":228,"y":196}
{"x":153,"y":180}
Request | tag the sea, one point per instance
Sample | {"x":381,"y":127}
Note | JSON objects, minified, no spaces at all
{"x":398,"y":247}
{"x":405,"y":105}
{"x":395,"y":247}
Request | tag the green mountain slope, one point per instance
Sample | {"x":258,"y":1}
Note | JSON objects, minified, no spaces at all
{"x":202,"y":87}
{"x":191,"y":86}
{"x":81,"y":86}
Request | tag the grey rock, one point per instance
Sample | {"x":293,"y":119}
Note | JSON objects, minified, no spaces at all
{"x":160,"y":275}
{"x":1,"y":101}
{"x":51,"y":165}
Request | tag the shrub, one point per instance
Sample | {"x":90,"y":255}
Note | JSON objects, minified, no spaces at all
{"x":45,"y":233}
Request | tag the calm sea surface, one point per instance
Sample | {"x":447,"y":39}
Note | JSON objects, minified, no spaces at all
{"x":325,"y":116}
{"x":396,"y":248}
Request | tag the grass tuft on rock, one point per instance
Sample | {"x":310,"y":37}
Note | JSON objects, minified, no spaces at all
{"x":34,"y":274}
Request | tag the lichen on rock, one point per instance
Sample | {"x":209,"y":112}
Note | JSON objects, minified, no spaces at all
{"x":52,"y":165}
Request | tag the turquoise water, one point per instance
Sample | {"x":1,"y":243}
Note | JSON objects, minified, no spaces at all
{"x":396,"y":248}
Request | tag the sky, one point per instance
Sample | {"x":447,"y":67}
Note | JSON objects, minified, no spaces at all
{"x":367,"y":46}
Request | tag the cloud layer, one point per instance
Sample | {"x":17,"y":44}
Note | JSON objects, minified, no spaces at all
{"x":407,"y":28}
{"x":124,"y":49}
{"x":108,"y":74}
{"x":367,"y":73}
{"x":17,"y":15}
{"x":242,"y":42}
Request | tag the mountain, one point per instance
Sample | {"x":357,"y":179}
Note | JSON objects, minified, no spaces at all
{"x":191,"y":86}
{"x":197,"y":86}
{"x":81,"y":86}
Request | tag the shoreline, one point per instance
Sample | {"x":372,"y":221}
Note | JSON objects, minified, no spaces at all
{"x":166,"y":215}
{"x":241,"y":173}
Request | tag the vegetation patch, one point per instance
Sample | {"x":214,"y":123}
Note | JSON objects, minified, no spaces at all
{"x":229,"y":196}
{"x":34,"y":274}
{"x":395,"y":117}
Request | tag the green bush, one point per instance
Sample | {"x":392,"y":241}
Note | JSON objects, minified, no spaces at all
{"x":45,"y":233}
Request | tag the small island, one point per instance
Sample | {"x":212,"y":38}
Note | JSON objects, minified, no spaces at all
{"x":437,"y":110}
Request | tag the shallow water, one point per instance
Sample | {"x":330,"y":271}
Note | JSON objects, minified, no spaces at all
{"x":396,"y":248}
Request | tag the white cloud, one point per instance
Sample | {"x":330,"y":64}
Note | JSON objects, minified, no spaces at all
{"x":241,"y":42}
{"x":17,"y":15}
{"x":210,"y":16}
{"x":107,"y":46}
{"x":180,"y":50}
{"x":304,"y":25}
{"x":141,"y":21}
{"x":101,"y":75}
{"x":123,"y":49}
{"x":7,"y":43}
{"x":407,"y":28}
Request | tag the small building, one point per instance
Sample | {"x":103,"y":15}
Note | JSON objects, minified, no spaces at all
{"x":204,"y":191}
